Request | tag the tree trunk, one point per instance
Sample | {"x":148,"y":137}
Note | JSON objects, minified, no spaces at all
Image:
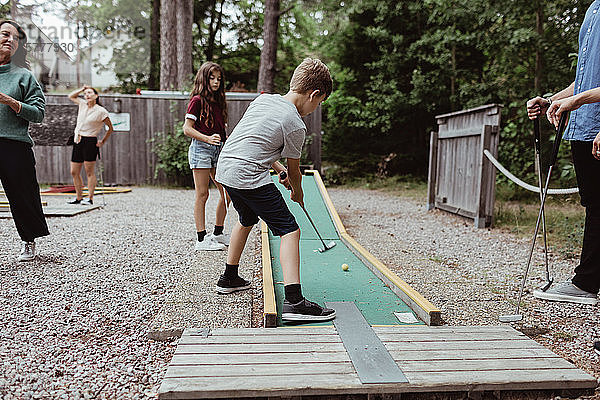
{"x":185,"y":18}
{"x":168,"y":45}
{"x":212,"y":32}
{"x":216,"y":20}
{"x":268,"y":55}
{"x":453,"y":76}
{"x":14,"y":12}
{"x":154,"y":80}
{"x":539,"y":28}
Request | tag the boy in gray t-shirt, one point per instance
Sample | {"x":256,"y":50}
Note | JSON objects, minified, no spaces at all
{"x":271,"y":129}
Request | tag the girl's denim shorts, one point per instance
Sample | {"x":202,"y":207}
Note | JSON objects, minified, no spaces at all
{"x":203,"y":155}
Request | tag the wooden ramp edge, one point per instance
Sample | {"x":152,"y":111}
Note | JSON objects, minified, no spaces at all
{"x":251,"y":362}
{"x":428,"y":313}
{"x":56,"y":211}
{"x":269,"y":303}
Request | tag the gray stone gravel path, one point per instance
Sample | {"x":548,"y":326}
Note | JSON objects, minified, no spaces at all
{"x":472,"y":275}
{"x":75,"y":322}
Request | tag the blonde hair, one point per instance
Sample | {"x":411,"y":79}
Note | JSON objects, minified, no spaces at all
{"x":312,"y":74}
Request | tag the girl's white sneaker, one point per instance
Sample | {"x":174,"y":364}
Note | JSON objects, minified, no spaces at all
{"x":223,"y":238}
{"x":209,"y":244}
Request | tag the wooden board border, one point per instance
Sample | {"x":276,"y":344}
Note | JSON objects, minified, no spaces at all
{"x":269,"y":304}
{"x":429,"y":313}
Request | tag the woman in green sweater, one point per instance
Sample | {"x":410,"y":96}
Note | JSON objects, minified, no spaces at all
{"x":21,"y":102}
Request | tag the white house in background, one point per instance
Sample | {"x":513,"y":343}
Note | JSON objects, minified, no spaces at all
{"x":97,"y":60}
{"x":50,"y":63}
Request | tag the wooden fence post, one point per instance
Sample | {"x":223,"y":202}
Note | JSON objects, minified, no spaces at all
{"x":432,"y":177}
{"x":484,"y":176}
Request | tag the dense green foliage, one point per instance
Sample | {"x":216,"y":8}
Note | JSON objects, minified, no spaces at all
{"x":4,"y":10}
{"x":398,"y":64}
{"x":171,"y":149}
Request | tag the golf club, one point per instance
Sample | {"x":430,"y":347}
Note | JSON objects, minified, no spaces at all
{"x":538,"y":166}
{"x":559,"y":133}
{"x":325,"y":247}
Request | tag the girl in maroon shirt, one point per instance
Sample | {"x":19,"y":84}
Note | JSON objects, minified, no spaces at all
{"x":205,"y":122}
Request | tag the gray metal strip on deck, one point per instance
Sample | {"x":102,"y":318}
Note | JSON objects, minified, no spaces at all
{"x":371,"y":360}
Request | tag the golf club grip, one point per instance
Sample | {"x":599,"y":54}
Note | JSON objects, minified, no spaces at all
{"x":562,"y":124}
{"x":283,"y":175}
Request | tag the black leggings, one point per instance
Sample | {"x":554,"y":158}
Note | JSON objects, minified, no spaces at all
{"x":587,"y":170}
{"x":17,"y":174}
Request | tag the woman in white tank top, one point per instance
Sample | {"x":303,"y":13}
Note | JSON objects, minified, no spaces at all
{"x":91,"y":119}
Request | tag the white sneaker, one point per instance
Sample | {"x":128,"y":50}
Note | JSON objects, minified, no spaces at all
{"x":209,"y":244}
{"x":87,"y":202}
{"x":27,"y":251}
{"x":223,"y":238}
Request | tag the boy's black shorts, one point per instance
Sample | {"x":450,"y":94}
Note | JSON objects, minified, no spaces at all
{"x":85,"y":150}
{"x":265,"y":202}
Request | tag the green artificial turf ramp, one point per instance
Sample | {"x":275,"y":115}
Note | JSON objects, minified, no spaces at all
{"x":321,"y":274}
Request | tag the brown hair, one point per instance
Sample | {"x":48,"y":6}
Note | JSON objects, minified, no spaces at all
{"x":20,"y":56}
{"x":311,"y":75}
{"x":202,"y":88}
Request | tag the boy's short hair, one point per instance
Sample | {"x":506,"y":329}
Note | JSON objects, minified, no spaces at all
{"x":312,"y":74}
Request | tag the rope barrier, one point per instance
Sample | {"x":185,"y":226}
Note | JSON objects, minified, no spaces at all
{"x":519,"y":182}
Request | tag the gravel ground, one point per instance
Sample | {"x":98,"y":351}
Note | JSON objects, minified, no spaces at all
{"x":472,"y":275}
{"x":77,"y":321}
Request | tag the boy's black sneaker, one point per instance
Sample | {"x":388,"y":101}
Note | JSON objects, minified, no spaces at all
{"x":597,"y":347}
{"x":306,"y":311}
{"x":229,"y":285}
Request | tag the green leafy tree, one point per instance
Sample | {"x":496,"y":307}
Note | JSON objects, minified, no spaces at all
{"x":4,"y":10}
{"x":371,"y":110}
{"x":126,"y":25}
{"x":398,"y":64}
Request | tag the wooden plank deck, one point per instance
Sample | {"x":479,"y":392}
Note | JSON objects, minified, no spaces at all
{"x":284,"y":362}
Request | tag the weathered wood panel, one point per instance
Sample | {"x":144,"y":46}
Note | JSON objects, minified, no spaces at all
{"x":461,"y":180}
{"x":312,"y":362}
{"x":127,"y":157}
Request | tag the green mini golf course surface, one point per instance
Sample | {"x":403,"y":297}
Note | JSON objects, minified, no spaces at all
{"x":321,"y":273}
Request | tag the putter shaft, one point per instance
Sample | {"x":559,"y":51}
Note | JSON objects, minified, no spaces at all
{"x":538,"y":166}
{"x":283,"y":175}
{"x":561,"y":127}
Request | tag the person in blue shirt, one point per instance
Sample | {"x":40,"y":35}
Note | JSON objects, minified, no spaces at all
{"x":581,"y":98}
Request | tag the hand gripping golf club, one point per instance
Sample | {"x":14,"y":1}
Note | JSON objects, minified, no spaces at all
{"x":559,"y":133}
{"x":538,"y":166}
{"x":325,"y":247}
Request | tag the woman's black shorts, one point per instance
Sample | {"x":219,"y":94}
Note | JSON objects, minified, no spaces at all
{"x":85,"y":150}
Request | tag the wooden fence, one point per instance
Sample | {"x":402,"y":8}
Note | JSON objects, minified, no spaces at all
{"x":127,"y":157}
{"x":461,"y":179}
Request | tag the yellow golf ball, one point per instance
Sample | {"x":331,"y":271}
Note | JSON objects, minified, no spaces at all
{"x":345,"y":267}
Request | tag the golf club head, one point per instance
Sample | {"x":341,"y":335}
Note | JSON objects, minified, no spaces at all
{"x":327,"y":247}
{"x":547,"y":285}
{"x":510,"y":318}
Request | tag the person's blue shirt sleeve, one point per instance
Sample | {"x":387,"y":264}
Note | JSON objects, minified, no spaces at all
{"x":584,"y":123}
